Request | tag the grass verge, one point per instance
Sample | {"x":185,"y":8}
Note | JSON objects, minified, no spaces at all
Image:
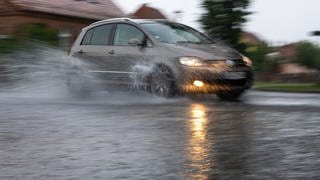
{"x":288,"y":87}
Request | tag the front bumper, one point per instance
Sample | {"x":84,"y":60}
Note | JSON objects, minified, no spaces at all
{"x":214,"y":80}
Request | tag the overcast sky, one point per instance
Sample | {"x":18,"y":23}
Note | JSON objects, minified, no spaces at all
{"x":277,"y":21}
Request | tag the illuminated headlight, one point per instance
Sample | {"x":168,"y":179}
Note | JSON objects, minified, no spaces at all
{"x":198,"y":83}
{"x":191,"y":61}
{"x":247,"y":61}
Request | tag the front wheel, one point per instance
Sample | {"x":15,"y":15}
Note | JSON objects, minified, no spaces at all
{"x":162,"y":82}
{"x":229,"y":95}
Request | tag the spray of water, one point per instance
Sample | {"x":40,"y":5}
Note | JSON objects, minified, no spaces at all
{"x":37,"y":71}
{"x":46,"y":72}
{"x":140,"y":76}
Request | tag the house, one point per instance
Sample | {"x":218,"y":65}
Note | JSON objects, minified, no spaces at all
{"x":294,"y":68}
{"x":289,"y":70}
{"x":287,"y":65}
{"x":147,"y":12}
{"x":251,"y":39}
{"x":66,"y":16}
{"x":287,"y":51}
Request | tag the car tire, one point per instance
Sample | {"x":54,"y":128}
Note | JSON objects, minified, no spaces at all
{"x":229,"y":95}
{"x":162,"y":82}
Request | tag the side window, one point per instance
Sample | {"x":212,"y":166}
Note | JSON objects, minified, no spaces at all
{"x":87,"y":38}
{"x":124,"y":33}
{"x":101,"y":35}
{"x":98,"y":36}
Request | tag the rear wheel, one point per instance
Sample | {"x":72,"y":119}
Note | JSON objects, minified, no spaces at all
{"x":230,"y":95}
{"x":162,"y":82}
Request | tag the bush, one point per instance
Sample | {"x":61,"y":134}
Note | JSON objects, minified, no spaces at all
{"x":8,"y":45}
{"x":308,"y":54}
{"x":40,"y":32}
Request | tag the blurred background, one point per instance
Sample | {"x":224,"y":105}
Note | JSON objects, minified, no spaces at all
{"x":281,"y":37}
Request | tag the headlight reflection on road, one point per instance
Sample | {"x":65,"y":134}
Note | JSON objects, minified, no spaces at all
{"x":197,"y":150}
{"x":198,"y":121}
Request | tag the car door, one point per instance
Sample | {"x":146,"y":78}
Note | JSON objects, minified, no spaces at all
{"x":129,"y":50}
{"x":97,"y":52}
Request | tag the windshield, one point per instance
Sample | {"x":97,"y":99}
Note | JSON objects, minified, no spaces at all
{"x":174,"y":33}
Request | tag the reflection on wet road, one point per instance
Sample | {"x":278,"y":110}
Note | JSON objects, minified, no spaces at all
{"x":196,"y":149}
{"x":122,"y":136}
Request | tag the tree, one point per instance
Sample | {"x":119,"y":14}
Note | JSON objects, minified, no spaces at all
{"x":224,"y":19}
{"x":308,"y":54}
{"x":259,"y":57}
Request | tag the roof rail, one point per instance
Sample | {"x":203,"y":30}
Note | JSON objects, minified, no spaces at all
{"x":110,"y":20}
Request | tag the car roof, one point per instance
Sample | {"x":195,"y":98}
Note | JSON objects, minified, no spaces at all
{"x":138,"y":21}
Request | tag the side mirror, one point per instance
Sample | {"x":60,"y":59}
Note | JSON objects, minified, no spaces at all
{"x":136,"y":42}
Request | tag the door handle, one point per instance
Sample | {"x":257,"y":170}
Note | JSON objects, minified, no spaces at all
{"x":80,"y":51}
{"x":111,"y":52}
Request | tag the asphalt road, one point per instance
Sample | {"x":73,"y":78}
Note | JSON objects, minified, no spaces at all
{"x":47,"y":135}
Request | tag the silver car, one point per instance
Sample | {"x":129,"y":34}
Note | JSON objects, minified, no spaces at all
{"x":166,"y":58}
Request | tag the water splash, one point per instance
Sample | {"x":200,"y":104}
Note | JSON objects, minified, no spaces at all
{"x":141,"y":76}
{"x":43,"y":72}
{"x":40,"y":71}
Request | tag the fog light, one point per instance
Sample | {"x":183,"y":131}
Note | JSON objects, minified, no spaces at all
{"x":198,"y":83}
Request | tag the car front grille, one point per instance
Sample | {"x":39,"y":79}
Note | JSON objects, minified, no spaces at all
{"x":229,"y":62}
{"x":238,"y":62}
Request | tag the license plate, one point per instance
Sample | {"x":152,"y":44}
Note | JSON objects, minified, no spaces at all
{"x":234,"y":75}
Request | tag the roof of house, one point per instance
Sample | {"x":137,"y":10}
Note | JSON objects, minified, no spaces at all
{"x":147,"y":12}
{"x":89,"y":9}
{"x":288,"y":51}
{"x":251,"y":38}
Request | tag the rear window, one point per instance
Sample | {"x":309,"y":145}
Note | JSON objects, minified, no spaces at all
{"x":99,"y":35}
{"x":87,"y":38}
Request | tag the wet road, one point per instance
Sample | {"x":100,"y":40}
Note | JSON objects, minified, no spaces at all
{"x":125,"y":136}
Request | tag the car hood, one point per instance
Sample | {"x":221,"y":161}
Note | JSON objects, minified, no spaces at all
{"x":205,"y":51}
